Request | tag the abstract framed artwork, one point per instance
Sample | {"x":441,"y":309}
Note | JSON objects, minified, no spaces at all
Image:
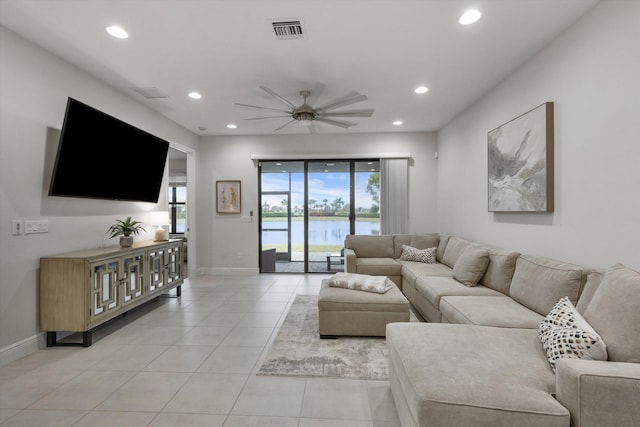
{"x":228,"y":197}
{"x":521,"y":163}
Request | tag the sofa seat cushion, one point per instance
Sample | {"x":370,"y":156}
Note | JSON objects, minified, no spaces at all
{"x":378,"y":266}
{"x":411,"y":270}
{"x":465,"y":375}
{"x":499,"y":311}
{"x":433,"y":288}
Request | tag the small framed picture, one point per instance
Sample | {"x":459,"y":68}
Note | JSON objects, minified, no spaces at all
{"x":228,"y":197}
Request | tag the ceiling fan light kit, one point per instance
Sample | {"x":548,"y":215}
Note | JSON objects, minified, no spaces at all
{"x":306,"y":115}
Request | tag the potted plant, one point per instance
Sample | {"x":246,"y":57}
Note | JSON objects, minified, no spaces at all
{"x":125,"y":229}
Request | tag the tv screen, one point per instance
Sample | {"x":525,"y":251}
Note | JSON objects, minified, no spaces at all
{"x":101,"y":157}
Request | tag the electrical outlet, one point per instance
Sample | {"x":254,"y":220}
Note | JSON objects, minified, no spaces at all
{"x":17,"y":227}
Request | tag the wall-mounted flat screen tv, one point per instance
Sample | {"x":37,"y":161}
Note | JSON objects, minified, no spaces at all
{"x":101,"y":157}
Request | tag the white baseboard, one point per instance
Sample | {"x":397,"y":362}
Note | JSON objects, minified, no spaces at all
{"x":22,"y":348}
{"x":226,"y":271}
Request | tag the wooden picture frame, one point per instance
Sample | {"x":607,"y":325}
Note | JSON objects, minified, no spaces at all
{"x":228,"y":197}
{"x":521,"y":163}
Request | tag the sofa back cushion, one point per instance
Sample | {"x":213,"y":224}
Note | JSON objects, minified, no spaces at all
{"x":614,"y":312}
{"x":442,"y":245}
{"x":500,"y":270}
{"x":455,"y":247}
{"x":418,"y":241}
{"x":593,"y":281}
{"x":370,"y":246}
{"x":538,"y":283}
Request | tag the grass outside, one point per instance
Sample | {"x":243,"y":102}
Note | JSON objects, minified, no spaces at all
{"x":300,"y":248}
{"x":318,"y":218}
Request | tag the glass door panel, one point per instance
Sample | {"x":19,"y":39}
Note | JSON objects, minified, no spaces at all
{"x":367,"y":197}
{"x":282,"y":214}
{"x":329,"y":197}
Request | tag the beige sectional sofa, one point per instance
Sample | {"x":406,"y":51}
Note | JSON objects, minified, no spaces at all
{"x":479,"y":360}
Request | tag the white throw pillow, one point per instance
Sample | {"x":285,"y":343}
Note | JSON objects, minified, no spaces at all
{"x":409,"y":253}
{"x":565,"y":334}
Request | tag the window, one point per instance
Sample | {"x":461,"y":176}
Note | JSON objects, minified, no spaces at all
{"x":177,"y":198}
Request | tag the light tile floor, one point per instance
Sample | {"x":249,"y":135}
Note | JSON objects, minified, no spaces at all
{"x":189,"y":361}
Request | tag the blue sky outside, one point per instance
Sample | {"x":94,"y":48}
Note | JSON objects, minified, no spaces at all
{"x":321,"y":186}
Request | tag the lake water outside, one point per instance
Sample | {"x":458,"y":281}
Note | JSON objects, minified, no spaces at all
{"x":321,"y":232}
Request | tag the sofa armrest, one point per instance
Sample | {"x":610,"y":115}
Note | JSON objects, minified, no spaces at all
{"x":598,"y":393}
{"x":349,"y":261}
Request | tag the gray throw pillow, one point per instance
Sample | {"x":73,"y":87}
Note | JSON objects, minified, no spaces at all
{"x":471,"y":265}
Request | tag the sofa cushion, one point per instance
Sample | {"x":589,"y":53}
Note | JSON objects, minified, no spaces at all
{"x":614,"y":312}
{"x":370,"y":246}
{"x":434,"y":288}
{"x":471,"y":265}
{"x":565,"y":334}
{"x":500,"y":270}
{"x":378,"y":266}
{"x":411,"y":270}
{"x":539,"y":283}
{"x":455,"y":247}
{"x":418,"y":241}
{"x":409,"y":253}
{"x":464,"y":375}
{"x":442,"y":245}
{"x":593,"y":281}
{"x":500,"y":311}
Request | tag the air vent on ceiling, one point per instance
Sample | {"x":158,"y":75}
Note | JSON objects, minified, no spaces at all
{"x":150,"y":92}
{"x":288,"y":29}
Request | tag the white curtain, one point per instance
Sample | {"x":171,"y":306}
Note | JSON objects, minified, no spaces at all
{"x":394,"y":199}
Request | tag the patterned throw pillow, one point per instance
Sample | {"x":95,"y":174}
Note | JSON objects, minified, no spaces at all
{"x":409,"y":253}
{"x":565,"y":333}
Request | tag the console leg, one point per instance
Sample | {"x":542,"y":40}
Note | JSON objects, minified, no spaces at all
{"x":179,"y":290}
{"x":51,"y":338}
{"x":87,"y":338}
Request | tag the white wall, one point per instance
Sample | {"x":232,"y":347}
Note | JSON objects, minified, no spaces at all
{"x":592,"y":73}
{"x":227,"y":245}
{"x":34,"y":86}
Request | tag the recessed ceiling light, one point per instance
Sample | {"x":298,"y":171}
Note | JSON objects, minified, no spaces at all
{"x":397,"y":123}
{"x":117,"y":32}
{"x":469,"y":17}
{"x":195,"y":95}
{"x":421,"y":89}
{"x":232,"y":126}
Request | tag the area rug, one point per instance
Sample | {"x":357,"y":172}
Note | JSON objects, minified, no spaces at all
{"x":298,"y":350}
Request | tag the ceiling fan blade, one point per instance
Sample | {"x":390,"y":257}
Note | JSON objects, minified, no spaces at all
{"x":349,"y":113}
{"x":275,"y":95}
{"x":284,"y":125}
{"x":262,"y":108}
{"x":348,"y":99}
{"x":336,"y":123}
{"x":270,"y":117}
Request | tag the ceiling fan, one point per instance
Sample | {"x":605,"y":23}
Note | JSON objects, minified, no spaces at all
{"x":306,"y":115}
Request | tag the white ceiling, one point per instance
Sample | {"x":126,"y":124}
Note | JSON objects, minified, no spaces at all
{"x":225,"y":49}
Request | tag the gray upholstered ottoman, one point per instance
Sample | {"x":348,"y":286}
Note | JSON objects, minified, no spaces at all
{"x":359,"y":313}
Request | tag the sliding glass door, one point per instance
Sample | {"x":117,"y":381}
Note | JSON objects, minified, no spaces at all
{"x":307,"y":209}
